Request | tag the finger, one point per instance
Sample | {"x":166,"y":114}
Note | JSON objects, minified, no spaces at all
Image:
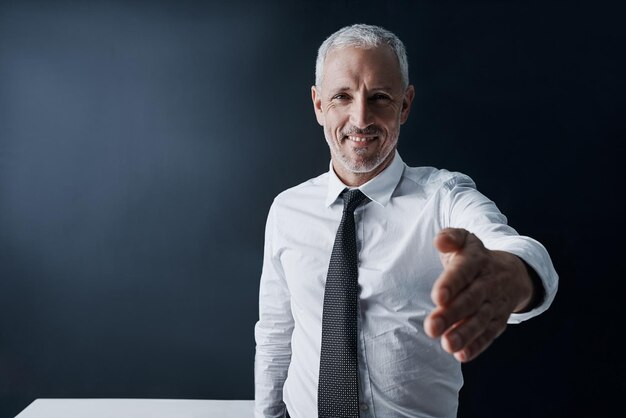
{"x":480,"y":344}
{"x":456,"y":276}
{"x":434,"y":324}
{"x":450,"y":239}
{"x":465,"y":332}
{"x":460,"y":270}
{"x":467,"y":304}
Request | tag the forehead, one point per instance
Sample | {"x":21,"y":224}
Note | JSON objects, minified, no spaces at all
{"x":350,"y":67}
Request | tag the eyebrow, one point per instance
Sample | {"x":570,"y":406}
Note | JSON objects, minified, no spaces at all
{"x":386,"y":89}
{"x":338,"y":89}
{"x":383,"y":88}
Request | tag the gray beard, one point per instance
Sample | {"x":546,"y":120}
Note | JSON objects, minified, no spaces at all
{"x":367,"y":165}
{"x":364,"y":166}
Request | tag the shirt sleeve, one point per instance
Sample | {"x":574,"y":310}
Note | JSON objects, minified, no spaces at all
{"x":272,"y":331}
{"x":465,"y":207}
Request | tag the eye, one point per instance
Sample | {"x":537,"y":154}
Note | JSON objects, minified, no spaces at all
{"x":340,"y":96}
{"x":379,"y":97}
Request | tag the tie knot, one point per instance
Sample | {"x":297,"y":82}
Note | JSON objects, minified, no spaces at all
{"x":352,"y":199}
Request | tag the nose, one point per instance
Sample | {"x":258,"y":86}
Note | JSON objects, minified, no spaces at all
{"x":360,"y":113}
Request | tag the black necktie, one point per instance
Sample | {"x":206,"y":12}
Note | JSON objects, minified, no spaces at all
{"x":338,"y":389}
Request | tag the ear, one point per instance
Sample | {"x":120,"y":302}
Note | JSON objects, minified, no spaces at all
{"x":406,"y":103}
{"x":317,"y":105}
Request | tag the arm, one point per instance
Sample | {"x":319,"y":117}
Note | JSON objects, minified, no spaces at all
{"x":486,"y":283}
{"x":272,"y":332}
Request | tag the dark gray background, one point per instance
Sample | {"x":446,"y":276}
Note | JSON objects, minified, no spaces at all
{"x":141,"y":144}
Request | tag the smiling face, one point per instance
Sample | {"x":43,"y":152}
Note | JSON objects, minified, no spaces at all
{"x":361,"y":104}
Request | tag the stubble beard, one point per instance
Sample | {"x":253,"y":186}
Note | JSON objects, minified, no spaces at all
{"x":364,"y":164}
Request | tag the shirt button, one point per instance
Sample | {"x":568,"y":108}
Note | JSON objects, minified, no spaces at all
{"x":363,"y":407}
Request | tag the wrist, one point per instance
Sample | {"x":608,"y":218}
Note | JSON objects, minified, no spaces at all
{"x":537,"y":289}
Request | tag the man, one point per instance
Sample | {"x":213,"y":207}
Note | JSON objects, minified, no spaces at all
{"x":440,"y":273}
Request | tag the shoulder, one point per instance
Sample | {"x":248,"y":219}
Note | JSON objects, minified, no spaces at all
{"x":432,"y":178}
{"x":312,"y":189}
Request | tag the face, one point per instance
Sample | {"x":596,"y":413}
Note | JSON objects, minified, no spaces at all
{"x":361,"y":104}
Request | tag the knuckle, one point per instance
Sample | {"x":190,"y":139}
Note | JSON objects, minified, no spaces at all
{"x":473,"y":296}
{"x":487,"y":309}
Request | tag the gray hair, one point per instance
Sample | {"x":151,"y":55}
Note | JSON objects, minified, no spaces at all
{"x":362,"y":36}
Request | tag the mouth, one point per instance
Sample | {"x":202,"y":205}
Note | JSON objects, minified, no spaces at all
{"x":360,"y":140}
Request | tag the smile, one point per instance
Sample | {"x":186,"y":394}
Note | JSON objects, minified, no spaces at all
{"x":361,"y":139}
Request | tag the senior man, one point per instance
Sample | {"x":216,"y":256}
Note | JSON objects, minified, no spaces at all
{"x":379,"y":279}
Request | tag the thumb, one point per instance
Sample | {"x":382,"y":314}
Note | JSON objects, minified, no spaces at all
{"x":451,"y":239}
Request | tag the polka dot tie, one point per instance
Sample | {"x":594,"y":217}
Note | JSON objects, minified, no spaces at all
{"x":338,"y":389}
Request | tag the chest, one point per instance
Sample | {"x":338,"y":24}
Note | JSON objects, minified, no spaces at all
{"x":397,"y":260}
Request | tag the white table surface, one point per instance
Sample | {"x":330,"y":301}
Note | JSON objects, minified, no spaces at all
{"x":137,"y":408}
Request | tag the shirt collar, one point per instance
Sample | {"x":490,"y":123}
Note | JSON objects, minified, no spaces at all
{"x":378,"y":189}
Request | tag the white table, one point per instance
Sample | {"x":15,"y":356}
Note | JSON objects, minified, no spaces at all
{"x":137,"y":408}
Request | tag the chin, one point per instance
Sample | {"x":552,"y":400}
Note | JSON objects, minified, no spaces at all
{"x":361,"y":166}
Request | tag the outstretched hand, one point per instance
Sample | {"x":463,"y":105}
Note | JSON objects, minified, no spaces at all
{"x":475,"y":294}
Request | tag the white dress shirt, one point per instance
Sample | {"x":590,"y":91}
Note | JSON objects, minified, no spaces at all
{"x":402,"y":371}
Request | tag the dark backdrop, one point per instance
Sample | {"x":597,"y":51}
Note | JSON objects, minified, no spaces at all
{"x":141,"y":144}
